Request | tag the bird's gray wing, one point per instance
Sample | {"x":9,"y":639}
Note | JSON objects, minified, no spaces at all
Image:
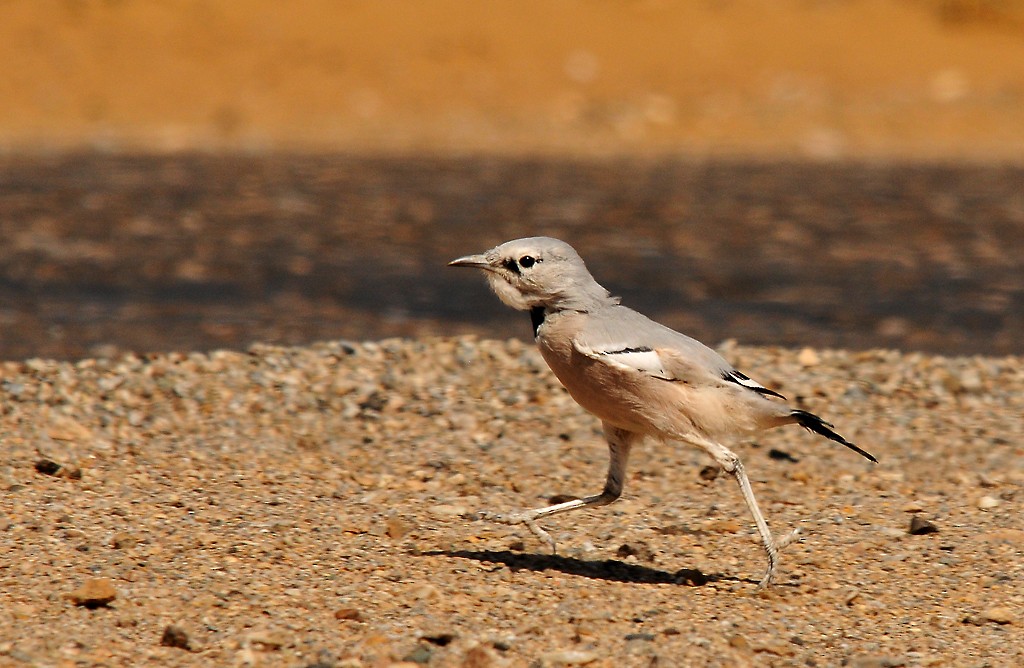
{"x":623,"y":338}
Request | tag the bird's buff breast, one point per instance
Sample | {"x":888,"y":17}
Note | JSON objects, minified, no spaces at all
{"x":607,"y":392}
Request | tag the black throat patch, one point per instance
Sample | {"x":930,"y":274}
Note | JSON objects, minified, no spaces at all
{"x":537,"y":318}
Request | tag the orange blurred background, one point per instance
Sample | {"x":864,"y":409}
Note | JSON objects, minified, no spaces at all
{"x":784,"y":78}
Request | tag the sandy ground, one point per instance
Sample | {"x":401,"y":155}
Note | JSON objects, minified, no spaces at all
{"x":309,"y":507}
{"x":876,"y":78}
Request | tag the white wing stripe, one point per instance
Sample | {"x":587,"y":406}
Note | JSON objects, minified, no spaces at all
{"x":746,"y":381}
{"x":643,"y":360}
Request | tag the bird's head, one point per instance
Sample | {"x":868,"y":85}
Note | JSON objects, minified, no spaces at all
{"x":538,"y":272}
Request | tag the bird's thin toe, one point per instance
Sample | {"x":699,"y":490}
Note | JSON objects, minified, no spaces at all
{"x":502,"y":518}
{"x":793,"y":536}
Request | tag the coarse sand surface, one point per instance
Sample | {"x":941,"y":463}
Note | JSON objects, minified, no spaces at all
{"x":312,"y":506}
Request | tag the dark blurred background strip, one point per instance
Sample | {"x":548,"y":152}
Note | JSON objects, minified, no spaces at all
{"x":103,"y":253}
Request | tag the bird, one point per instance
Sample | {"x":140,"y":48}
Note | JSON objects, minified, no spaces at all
{"x":638,"y":377}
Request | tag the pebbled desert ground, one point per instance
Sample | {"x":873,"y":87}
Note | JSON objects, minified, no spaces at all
{"x":313,"y":507}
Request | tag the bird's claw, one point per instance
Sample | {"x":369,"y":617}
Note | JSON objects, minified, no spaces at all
{"x":791,"y":537}
{"x":773,"y":556}
{"x":525,"y":518}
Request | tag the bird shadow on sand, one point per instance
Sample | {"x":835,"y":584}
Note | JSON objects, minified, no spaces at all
{"x":606,"y":569}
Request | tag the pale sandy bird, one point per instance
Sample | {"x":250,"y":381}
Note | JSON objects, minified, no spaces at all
{"x":639,"y":377}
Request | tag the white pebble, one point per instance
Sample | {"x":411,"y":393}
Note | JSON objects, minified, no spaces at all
{"x":987,"y":502}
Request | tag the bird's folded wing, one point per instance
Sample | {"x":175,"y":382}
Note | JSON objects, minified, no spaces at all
{"x":641,"y":359}
{"x":661,"y":363}
{"x":668,"y":364}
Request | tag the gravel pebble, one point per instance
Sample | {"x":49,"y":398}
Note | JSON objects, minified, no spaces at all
{"x":94,"y":593}
{"x":919,"y":526}
{"x":175,"y":636}
{"x":47,"y":466}
{"x":568,"y":657}
{"x":999,"y":615}
{"x":808,"y":357}
{"x":353,"y":614}
{"x":988,"y":502}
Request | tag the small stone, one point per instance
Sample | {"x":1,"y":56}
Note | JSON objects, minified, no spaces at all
{"x":988,"y":481}
{"x":988,"y":502}
{"x":781,"y":455}
{"x":94,"y":593}
{"x":175,"y":636}
{"x":999,"y":615}
{"x":352,"y":614}
{"x":421,"y":655}
{"x":645,"y":637}
{"x":425,"y":592}
{"x":568,"y":657}
{"x":124,"y":540}
{"x":692,"y":577}
{"x":641,"y":550}
{"x":970,"y":381}
{"x":375,"y":402}
{"x":396,"y":527}
{"x":449,"y":510}
{"x":739,"y":642}
{"x":919,"y":526}
{"x":439,"y":638}
{"x":722,"y":526}
{"x":808,"y":357}
{"x":68,"y":429}
{"x":709,"y":473}
{"x":798,"y":476}
{"x":502,"y":643}
{"x":776,"y":647}
{"x":47,"y":466}
{"x":268,"y":640}
{"x":478,"y":657}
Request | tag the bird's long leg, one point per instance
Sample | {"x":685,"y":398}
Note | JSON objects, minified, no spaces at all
{"x":731,"y":463}
{"x":620,"y":442}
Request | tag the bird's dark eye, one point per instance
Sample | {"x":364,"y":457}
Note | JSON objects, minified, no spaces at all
{"x":527,"y":261}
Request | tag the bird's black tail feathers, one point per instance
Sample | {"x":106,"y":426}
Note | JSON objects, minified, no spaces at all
{"x":812,"y":422}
